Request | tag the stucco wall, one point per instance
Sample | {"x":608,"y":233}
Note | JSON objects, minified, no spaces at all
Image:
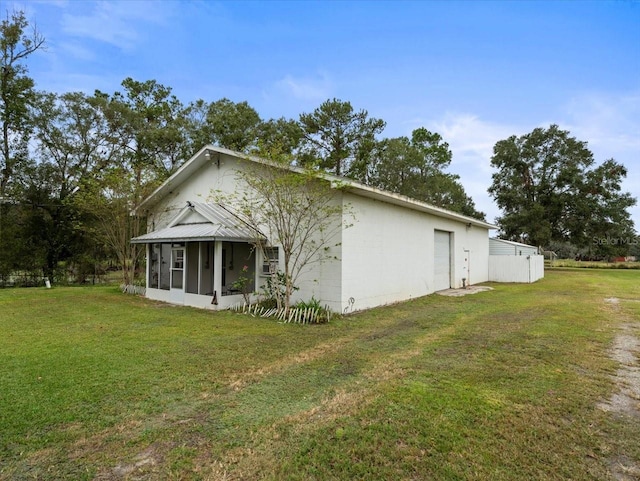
{"x":199,"y":187}
{"x":385,"y":256}
{"x":320,"y":280}
{"x":388,"y":253}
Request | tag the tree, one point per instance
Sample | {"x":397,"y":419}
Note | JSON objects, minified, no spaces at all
{"x":233,"y":125}
{"x":147,"y":128}
{"x":73,"y":145}
{"x":148,"y":122}
{"x":280,"y":134}
{"x":16,"y":99}
{"x":108,"y":200}
{"x":338,"y":139}
{"x":609,"y":231}
{"x":16,"y":93}
{"x":549,"y":190}
{"x":73,"y":136}
{"x":296,"y":207}
{"x":415,"y":168}
{"x":198,"y":131}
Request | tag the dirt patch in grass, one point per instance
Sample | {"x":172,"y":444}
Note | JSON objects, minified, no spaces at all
{"x":625,"y":401}
{"x":625,"y":348}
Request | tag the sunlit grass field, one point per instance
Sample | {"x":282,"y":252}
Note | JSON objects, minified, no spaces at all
{"x":500,"y":385}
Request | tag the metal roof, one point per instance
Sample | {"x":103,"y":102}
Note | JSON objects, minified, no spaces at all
{"x":223,"y":224}
{"x":207,"y":152}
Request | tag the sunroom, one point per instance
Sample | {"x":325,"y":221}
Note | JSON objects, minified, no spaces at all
{"x":205,"y":257}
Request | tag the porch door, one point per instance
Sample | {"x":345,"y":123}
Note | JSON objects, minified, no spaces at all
{"x":442,"y":260}
{"x":177,"y":274}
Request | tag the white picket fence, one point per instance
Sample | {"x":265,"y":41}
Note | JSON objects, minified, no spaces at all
{"x":295,"y":315}
{"x":131,"y":289}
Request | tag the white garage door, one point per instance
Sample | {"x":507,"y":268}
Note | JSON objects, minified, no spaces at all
{"x":442,"y":261}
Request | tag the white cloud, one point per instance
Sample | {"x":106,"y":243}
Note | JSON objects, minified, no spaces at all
{"x":608,"y":122}
{"x":307,"y":89}
{"x":116,"y":23}
{"x":471,"y":140}
{"x":76,"y":50}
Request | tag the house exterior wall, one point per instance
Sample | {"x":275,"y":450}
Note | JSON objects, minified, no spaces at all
{"x":321,"y":280}
{"x":388,"y":253}
{"x":199,"y":187}
{"x":385,"y":256}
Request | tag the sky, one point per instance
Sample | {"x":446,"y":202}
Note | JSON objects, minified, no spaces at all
{"x":476,"y":72}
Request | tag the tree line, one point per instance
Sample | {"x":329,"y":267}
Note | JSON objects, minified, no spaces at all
{"x":73,"y":166}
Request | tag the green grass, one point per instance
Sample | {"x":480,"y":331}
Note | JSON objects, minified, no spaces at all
{"x":592,"y":264}
{"x":497,"y":385}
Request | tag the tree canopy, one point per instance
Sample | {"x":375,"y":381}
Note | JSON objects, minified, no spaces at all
{"x":415,"y":167}
{"x":338,"y":139}
{"x":73,"y":166}
{"x":551,"y":190}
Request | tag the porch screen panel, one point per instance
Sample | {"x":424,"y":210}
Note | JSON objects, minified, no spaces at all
{"x":206,"y":268}
{"x":193,"y":259}
{"x":165,"y":264}
{"x":154,"y":266}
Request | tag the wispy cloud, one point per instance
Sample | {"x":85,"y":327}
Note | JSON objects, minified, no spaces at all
{"x":317,"y":88}
{"x":75,"y":50}
{"x":471,"y":138}
{"x":116,"y":23}
{"x":608,"y":121}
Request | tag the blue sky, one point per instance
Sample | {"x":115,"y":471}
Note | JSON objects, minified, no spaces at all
{"x":474,"y":71}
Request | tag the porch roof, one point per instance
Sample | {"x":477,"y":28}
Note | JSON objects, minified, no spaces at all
{"x":221,"y":224}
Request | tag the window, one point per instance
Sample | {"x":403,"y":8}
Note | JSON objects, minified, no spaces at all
{"x":177,"y":266}
{"x":269,"y":261}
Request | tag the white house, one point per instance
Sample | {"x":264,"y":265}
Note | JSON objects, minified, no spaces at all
{"x":396,"y":248}
{"x":514,"y":262}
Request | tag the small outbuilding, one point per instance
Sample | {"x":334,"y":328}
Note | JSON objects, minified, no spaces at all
{"x":514,"y":262}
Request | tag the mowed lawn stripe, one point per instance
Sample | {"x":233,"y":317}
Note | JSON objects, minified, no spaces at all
{"x":498,"y":385}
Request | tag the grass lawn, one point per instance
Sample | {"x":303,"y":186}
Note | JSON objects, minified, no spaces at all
{"x":592,"y":264}
{"x":501,"y":385}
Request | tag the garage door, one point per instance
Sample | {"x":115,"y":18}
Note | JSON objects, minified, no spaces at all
{"x":442,"y":261}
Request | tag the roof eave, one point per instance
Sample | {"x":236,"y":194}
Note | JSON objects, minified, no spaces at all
{"x":198,"y":160}
{"x":166,"y":240}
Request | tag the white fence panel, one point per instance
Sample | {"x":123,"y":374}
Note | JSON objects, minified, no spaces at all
{"x":516,"y":268}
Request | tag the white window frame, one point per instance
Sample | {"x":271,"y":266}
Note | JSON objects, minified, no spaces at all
{"x":178,"y":264}
{"x":270,"y":261}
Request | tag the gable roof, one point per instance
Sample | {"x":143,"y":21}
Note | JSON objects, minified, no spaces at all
{"x":219,"y":222}
{"x":210,"y":153}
